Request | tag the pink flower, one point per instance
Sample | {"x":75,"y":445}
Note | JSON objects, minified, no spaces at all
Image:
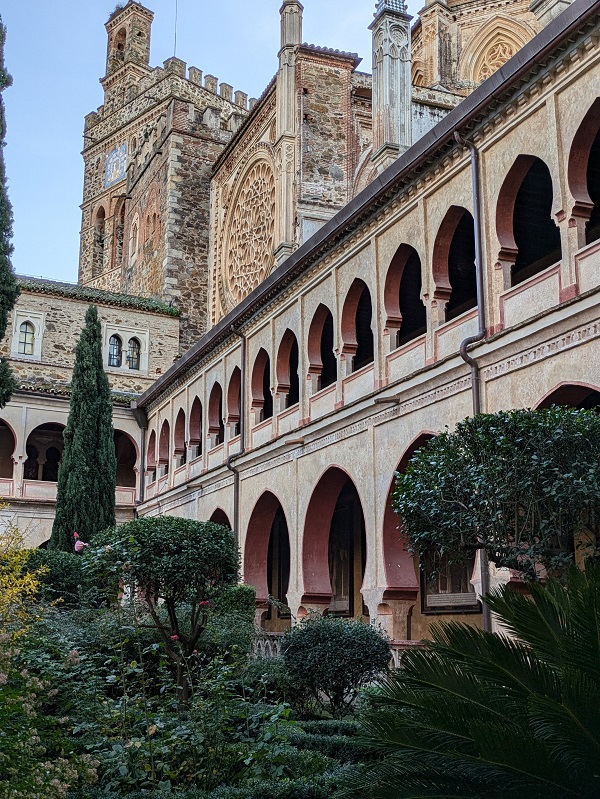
{"x":80,"y":545}
{"x":75,"y":535}
{"x":195,"y":652}
{"x":174,"y":638}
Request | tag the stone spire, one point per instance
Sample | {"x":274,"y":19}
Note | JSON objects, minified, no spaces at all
{"x":392,"y":104}
{"x":286,"y":129}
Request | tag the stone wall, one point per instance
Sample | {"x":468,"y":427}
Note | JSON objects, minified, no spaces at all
{"x":60,"y":320}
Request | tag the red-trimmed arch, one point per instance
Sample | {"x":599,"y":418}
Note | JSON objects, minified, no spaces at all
{"x":256,"y":547}
{"x":317,"y":526}
{"x":401,"y":580}
{"x":573,"y":395}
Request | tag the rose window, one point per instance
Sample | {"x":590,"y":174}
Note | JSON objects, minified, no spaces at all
{"x":250,"y":249}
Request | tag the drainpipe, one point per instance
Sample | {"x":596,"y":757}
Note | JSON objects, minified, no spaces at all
{"x":231,"y":458}
{"x":479,"y":336}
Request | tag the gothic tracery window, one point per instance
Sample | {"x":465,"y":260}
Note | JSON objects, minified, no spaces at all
{"x":495,"y":57}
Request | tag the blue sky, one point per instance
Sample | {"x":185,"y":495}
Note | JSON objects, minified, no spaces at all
{"x":56,"y":54}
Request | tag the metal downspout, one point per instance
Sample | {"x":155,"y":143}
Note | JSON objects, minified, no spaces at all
{"x":479,"y":336}
{"x":232,"y":458}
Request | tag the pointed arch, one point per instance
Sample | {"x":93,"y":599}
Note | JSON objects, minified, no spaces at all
{"x":321,"y":358}
{"x":262,"y":398}
{"x":286,"y":370}
{"x":179,"y":445}
{"x":334,"y":544}
{"x":234,"y":401}
{"x":196,"y":428}
{"x":584,"y":171}
{"x":357,"y":325}
{"x":406,"y":315}
{"x":216,"y":425}
{"x":453,"y":262}
{"x":501,"y":30}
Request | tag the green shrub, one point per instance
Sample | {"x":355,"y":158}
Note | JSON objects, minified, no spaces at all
{"x":347,"y":727}
{"x":334,"y":658}
{"x":270,"y":679}
{"x":338,"y":747}
{"x":63,"y":576}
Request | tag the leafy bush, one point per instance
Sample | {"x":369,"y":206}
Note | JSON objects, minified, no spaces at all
{"x":334,"y":658}
{"x":62,"y":578}
{"x":520,"y":484}
{"x":477,"y":714}
{"x":270,"y":679}
{"x":180,"y":567}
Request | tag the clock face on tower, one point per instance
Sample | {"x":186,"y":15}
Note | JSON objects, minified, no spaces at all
{"x":116,"y":162}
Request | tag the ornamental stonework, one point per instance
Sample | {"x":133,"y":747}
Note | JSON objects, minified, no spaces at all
{"x":250,"y":243}
{"x":496,"y":56}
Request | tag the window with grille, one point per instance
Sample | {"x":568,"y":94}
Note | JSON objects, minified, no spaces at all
{"x":115,"y":351}
{"x":133,"y":354}
{"x":26,"y":338}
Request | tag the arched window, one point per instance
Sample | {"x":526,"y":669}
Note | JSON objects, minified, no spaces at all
{"x":26,"y":338}
{"x":454,"y":262}
{"x":126,"y":454}
{"x":529,"y":237}
{"x":406,"y":316}
{"x":288,"y":381}
{"x":321,"y":357}
{"x":120,"y":42}
{"x":99,"y":237}
{"x":196,"y":428}
{"x":151,"y":457}
{"x":262,"y":399}
{"x":179,"y":447}
{"x":164,"y":447}
{"x":357,"y":333}
{"x":115,"y":351}
{"x":584,"y":173}
{"x":216,"y":425}
{"x":133,"y":353}
{"x":234,"y":400}
{"x":7,"y":447}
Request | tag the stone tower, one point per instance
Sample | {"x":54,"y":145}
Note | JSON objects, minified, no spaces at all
{"x":148,"y":152}
{"x":392,"y":90}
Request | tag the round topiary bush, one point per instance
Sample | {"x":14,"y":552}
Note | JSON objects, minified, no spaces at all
{"x":334,"y":658}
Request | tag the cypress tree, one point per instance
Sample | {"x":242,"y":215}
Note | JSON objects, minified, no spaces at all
{"x":87,"y":475}
{"x":9,"y":289}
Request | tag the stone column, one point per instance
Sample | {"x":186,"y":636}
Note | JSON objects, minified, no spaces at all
{"x":392,"y":85}
{"x":286,"y":130}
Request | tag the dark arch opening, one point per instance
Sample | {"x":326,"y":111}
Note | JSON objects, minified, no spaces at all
{"x":537,"y":237}
{"x":572,"y":395}
{"x":7,"y":447}
{"x":44,"y":449}
{"x":126,"y":455}
{"x":179,"y":448}
{"x":220,"y":517}
{"x":592,"y":228}
{"x":262,"y":398}
{"x":216,"y":425}
{"x":196,"y":427}
{"x":234,"y":401}
{"x":267,"y":558}
{"x":321,"y":357}
{"x":406,"y":315}
{"x":364,"y":331}
{"x":334,"y":546}
{"x":461,"y":268}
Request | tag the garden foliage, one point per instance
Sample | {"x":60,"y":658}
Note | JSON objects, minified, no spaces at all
{"x":334,"y":658}
{"x":85,"y":501}
{"x":523,"y":485}
{"x":476,"y":714}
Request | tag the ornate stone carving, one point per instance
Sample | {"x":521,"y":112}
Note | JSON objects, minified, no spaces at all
{"x":496,"y":56}
{"x":250,"y":242}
